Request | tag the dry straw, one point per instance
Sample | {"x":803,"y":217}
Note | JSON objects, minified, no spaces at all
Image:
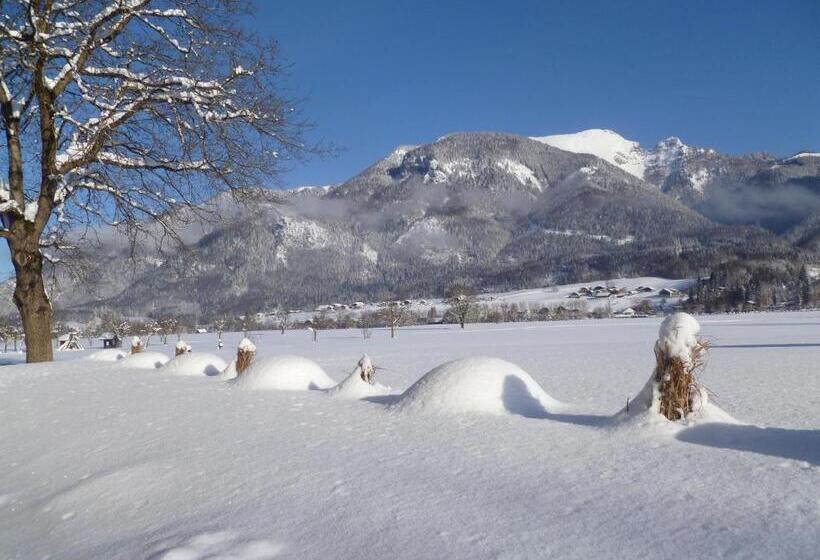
{"x":677,"y":381}
{"x":244,"y":357}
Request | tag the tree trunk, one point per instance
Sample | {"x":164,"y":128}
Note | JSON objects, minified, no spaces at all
{"x":32,"y":302}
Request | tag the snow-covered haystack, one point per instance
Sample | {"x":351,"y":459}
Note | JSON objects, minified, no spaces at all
{"x":181,"y":348}
{"x":673,"y":391}
{"x":136,"y":345}
{"x":361,"y":383}
{"x":478,"y":385}
{"x":284,"y":373}
{"x":107,"y":355}
{"x":194,"y":363}
{"x":245,"y":352}
{"x":144,"y":360}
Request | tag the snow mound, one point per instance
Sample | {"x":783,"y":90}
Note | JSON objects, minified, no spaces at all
{"x":284,"y":373}
{"x":107,"y":355}
{"x":229,"y":372}
{"x":478,"y":385}
{"x":144,"y":360}
{"x":195,"y":364}
{"x":356,"y":387}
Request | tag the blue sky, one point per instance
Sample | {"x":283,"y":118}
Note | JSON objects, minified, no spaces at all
{"x":734,"y":76}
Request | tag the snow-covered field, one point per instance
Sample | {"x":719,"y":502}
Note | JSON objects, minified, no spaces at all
{"x":98,"y":460}
{"x":533,"y":299}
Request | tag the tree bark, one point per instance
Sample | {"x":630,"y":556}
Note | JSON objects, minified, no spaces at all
{"x":32,"y":302}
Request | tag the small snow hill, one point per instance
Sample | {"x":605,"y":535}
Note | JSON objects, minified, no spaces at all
{"x":478,"y":385}
{"x":195,"y":363}
{"x":284,"y":373}
{"x":144,"y":360}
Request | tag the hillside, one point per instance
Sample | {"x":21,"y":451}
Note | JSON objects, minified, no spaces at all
{"x":496,"y":211}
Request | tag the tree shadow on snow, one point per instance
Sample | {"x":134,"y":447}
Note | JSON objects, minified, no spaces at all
{"x":800,"y":445}
{"x":517,"y":399}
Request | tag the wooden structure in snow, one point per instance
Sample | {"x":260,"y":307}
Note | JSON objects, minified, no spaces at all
{"x":70,"y":341}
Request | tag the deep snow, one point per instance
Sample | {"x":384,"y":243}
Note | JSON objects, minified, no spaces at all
{"x":103,"y":461}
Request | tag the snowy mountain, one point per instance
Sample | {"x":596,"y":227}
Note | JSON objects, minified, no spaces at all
{"x":606,"y":144}
{"x":496,"y":211}
{"x":691,"y":174}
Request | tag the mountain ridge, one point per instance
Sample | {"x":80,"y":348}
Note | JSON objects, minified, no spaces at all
{"x":494,"y":210}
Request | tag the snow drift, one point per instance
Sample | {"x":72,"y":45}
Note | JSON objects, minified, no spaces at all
{"x":478,"y":385}
{"x":193,"y":363}
{"x":360,"y":384}
{"x":144,"y":360}
{"x":107,"y":355}
{"x":284,"y":373}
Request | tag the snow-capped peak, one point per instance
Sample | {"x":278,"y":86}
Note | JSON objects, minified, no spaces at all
{"x":605,"y":144}
{"x":800,"y":155}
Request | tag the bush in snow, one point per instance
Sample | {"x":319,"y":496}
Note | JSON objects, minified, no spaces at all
{"x":181,"y":348}
{"x":136,"y":345}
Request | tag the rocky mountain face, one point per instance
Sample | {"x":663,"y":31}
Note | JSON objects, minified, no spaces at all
{"x":754,"y":189}
{"x":497,"y":211}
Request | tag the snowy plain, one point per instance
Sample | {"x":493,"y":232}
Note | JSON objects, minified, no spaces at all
{"x":104,"y":461}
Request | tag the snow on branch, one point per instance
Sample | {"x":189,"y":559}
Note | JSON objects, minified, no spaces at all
{"x":144,"y":105}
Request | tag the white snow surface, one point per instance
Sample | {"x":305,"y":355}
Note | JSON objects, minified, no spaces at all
{"x":481,"y":385}
{"x":98,"y":463}
{"x":195,"y":363}
{"x":284,"y":373}
{"x":107,"y":355}
{"x":605,"y":144}
{"x":144,"y":360}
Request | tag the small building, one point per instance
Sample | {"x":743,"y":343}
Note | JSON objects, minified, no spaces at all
{"x":110,"y":340}
{"x":628,"y":312}
{"x":668,"y":292}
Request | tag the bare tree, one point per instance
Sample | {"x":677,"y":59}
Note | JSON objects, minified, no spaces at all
{"x":219,"y":325}
{"x":462,"y":303}
{"x":394,"y":315}
{"x":168,"y":326}
{"x":282,"y":318}
{"x":119,"y":112}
